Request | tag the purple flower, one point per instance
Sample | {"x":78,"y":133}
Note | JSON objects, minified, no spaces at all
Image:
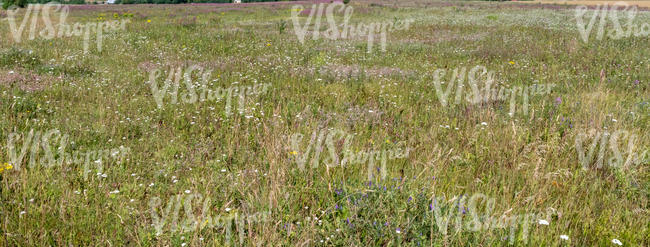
{"x":636,"y":82}
{"x":410,"y":198}
{"x":558,"y":100}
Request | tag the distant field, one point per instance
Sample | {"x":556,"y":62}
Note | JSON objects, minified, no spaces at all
{"x":591,"y":2}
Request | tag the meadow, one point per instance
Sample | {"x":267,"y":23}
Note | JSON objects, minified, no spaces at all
{"x":248,"y":146}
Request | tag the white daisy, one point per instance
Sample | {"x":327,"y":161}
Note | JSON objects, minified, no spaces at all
{"x":543,"y":222}
{"x":617,"y":242}
{"x":565,"y":237}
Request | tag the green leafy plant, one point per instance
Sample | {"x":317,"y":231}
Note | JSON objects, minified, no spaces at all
{"x":18,"y":3}
{"x":282,"y":26}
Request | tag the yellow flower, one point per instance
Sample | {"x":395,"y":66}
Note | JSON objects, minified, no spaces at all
{"x":387,"y":141}
{"x":269,"y":44}
{"x":148,"y":21}
{"x":512,"y":62}
{"x":6,"y":166}
{"x":293,"y":152}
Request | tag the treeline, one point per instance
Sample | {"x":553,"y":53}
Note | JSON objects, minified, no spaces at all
{"x":187,"y":1}
{"x":23,"y":3}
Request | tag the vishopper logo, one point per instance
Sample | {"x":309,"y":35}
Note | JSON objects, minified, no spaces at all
{"x":37,"y":143}
{"x":197,"y":85}
{"x":61,"y":29}
{"x":612,"y":13}
{"x":477,"y":76}
{"x":170,"y":216}
{"x":346,"y":30}
{"x":332,"y":137}
{"x":609,"y":147}
{"x":477,"y":215}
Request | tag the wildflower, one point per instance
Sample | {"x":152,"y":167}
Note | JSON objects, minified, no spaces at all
{"x":268,"y":44}
{"x":558,"y":100}
{"x":228,"y":209}
{"x":617,"y":242}
{"x":387,"y":141}
{"x":565,"y":237}
{"x":512,"y":62}
{"x":148,"y":21}
{"x":543,"y":222}
{"x":6,"y":166}
{"x":293,"y":152}
{"x":188,"y":191}
{"x":398,"y":231}
{"x":114,"y":192}
{"x":484,"y":123}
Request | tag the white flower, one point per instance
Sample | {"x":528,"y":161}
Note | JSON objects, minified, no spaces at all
{"x":132,"y":200}
{"x":23,"y":212}
{"x":223,"y":170}
{"x":188,"y":191}
{"x":114,"y":192}
{"x":228,"y":209}
{"x":175,"y":180}
{"x":484,"y":123}
{"x":614,"y":120}
{"x":543,"y":222}
{"x":151,"y":185}
{"x":398,"y":231}
{"x":104,"y":175}
{"x":565,"y":237}
{"x":616,"y":241}
{"x":183,"y":244}
{"x":132,"y":174}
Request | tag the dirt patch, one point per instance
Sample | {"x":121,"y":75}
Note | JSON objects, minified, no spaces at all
{"x":26,"y":80}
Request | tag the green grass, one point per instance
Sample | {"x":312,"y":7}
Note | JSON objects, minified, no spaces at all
{"x":528,"y":162}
